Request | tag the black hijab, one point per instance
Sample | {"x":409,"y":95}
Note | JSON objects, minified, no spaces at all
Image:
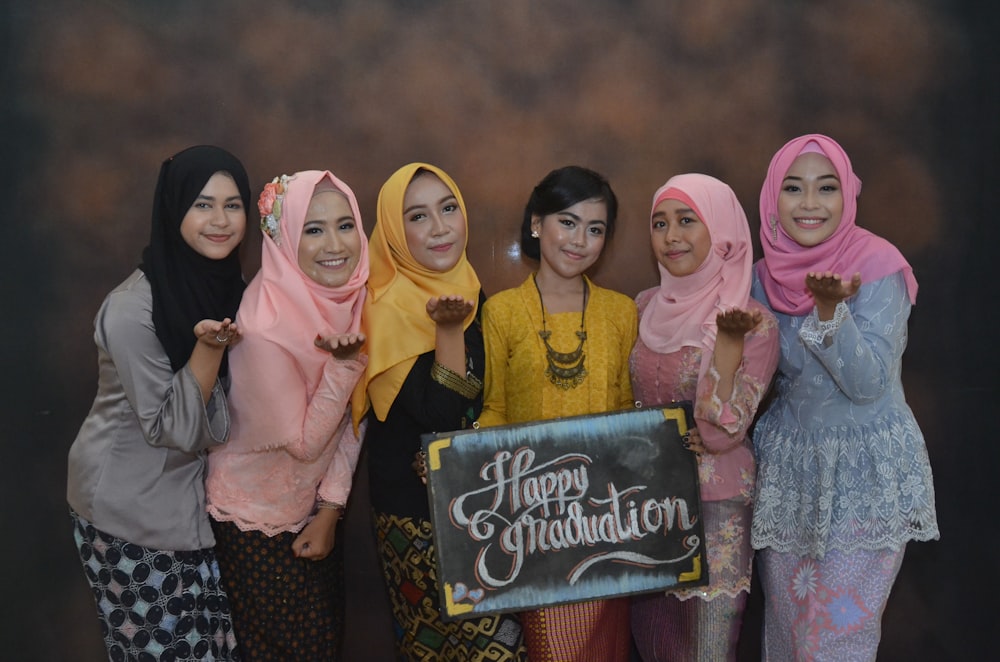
{"x":189,"y":287}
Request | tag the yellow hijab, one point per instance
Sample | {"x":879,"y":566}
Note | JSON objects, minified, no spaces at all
{"x":395,"y":318}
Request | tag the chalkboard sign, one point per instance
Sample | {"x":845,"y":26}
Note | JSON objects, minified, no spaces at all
{"x":565,"y":510}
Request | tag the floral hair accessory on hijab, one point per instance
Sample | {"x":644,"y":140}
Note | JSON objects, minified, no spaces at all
{"x":269,"y":206}
{"x":278,"y":366}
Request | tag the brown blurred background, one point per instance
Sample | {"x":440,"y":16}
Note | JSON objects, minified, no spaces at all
{"x":97,"y":94}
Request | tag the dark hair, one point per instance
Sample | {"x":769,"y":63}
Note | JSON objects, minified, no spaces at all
{"x":564,"y":188}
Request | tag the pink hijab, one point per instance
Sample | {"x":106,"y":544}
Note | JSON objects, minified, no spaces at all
{"x":281,"y":313}
{"x":848,"y":250}
{"x":683,"y":311}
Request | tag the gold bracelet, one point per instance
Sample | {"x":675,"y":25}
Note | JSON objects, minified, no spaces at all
{"x":329,"y":505}
{"x":468,"y":387}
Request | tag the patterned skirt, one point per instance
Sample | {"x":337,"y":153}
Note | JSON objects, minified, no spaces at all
{"x":594,"y":631}
{"x":155,"y":605}
{"x":702,"y":623}
{"x":407,"y":553}
{"x":825,"y":609}
{"x":284,"y":607}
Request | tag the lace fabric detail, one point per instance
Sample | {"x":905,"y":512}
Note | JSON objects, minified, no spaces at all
{"x":246,"y":525}
{"x":276,"y":491}
{"x":842,"y":487}
{"x":710,"y":593}
{"x":727,"y":531}
{"x":815,"y":332}
{"x":734,"y":416}
{"x":709,"y":406}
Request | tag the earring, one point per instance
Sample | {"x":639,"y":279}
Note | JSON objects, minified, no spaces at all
{"x":534,"y":234}
{"x":774,"y":228}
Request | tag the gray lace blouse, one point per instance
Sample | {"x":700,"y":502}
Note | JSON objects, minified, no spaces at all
{"x":841,"y":462}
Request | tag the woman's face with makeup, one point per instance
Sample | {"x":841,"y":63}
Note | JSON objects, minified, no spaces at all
{"x":680,"y":240}
{"x":330,"y":246}
{"x":433,"y":222}
{"x":571,"y":240}
{"x":811,"y":200}
{"x":216,"y":222}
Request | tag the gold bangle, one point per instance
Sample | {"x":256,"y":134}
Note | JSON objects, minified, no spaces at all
{"x":468,"y":387}
{"x":320,"y":503}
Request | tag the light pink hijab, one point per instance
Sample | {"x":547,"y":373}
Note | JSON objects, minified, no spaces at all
{"x":683,"y":311}
{"x":281,"y":313}
{"x":848,"y":250}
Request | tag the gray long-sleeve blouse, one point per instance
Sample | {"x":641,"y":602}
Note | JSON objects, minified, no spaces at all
{"x":137,"y":466}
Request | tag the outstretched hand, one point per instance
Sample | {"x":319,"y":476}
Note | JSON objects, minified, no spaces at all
{"x":344,"y":347}
{"x":828,"y":289}
{"x":217,"y":334}
{"x":737,"y":323}
{"x":449,"y":310}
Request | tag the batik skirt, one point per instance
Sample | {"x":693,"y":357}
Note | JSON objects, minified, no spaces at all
{"x":155,"y":605}
{"x":825,"y":609}
{"x":702,"y":623}
{"x":407,"y":553}
{"x":284,"y":607}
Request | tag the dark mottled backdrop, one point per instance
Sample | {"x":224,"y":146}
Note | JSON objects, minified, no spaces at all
{"x":96,"y":94}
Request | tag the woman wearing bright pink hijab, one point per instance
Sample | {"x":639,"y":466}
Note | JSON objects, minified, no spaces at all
{"x":843,"y":478}
{"x":703,"y":339}
{"x":278,"y":489}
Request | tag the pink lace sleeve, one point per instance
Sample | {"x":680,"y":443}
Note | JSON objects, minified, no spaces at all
{"x":336,"y":484}
{"x":328,"y":409}
{"x":723,"y":425}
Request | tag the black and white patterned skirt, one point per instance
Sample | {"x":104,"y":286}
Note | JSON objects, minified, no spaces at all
{"x":155,"y":605}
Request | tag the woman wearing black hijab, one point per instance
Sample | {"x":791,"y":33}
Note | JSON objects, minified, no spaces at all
{"x":136,"y":469}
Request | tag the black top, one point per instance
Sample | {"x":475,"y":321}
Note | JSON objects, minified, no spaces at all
{"x":422,"y":406}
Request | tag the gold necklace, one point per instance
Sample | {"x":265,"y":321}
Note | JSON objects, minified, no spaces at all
{"x":566,"y":369}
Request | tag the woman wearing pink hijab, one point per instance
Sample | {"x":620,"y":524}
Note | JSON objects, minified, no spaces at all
{"x":703,"y":339}
{"x":843,"y":478}
{"x":277,"y":490}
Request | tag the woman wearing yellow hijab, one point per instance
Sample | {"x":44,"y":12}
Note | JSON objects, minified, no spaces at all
{"x":425,"y":371}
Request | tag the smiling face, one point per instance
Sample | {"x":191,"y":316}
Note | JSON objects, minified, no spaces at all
{"x":811,"y":201}
{"x":330,"y":245}
{"x":217,"y":220}
{"x":571,"y":240}
{"x":680,"y":240}
{"x":433,"y":223}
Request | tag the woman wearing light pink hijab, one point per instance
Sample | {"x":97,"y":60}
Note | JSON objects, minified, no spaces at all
{"x":843,"y":479}
{"x":277,"y":490}
{"x":703,"y":339}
